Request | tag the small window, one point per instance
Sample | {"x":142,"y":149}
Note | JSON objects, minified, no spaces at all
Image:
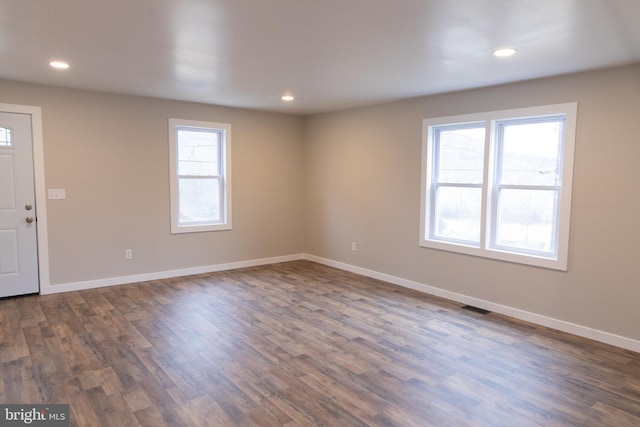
{"x":498,"y":184}
{"x":5,"y":137}
{"x":200,"y":163}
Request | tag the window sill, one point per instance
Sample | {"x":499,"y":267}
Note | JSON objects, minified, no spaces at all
{"x":559,"y":263}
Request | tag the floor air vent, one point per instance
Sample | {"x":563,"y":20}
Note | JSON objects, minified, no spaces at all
{"x":476,"y":309}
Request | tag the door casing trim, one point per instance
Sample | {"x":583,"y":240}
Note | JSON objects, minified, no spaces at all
{"x":37,"y":142}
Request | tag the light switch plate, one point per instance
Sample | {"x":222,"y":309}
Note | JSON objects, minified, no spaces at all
{"x":57,"y":194}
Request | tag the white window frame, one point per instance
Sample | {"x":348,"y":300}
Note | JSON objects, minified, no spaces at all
{"x":224,"y":159}
{"x":487,"y":248}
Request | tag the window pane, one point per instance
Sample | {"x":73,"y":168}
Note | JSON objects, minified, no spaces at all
{"x":526,"y":219}
{"x":457,"y":213}
{"x":5,"y":137}
{"x":199,"y":200}
{"x":530,"y":153}
{"x":198,"y":152}
{"x":460,"y":155}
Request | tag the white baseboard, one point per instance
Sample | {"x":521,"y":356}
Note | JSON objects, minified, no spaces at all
{"x":572,"y":328}
{"x":91,"y":284}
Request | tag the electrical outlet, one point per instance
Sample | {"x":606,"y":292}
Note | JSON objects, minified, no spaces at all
{"x":128,"y":254}
{"x":353,"y":246}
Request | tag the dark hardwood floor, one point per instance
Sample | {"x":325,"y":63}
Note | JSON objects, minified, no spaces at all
{"x":299,"y":344}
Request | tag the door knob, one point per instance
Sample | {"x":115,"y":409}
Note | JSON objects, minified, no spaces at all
{"x":28,"y":206}
{"x":29,"y":219}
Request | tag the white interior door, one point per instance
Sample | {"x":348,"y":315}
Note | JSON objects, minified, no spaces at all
{"x":18,"y":240}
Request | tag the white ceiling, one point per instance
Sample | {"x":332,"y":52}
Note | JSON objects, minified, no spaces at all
{"x":329,"y":54}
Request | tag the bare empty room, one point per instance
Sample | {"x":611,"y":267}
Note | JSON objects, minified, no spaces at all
{"x":329,"y":213}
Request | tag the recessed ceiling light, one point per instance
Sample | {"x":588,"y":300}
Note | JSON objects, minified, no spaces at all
{"x":287,"y":98}
{"x":61,"y":65}
{"x":508,"y":51}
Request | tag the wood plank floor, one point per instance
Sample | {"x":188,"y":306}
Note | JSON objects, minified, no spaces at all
{"x":300,"y":344}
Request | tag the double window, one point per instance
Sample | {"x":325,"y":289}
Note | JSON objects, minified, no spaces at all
{"x":200,"y":187}
{"x":498,"y":184}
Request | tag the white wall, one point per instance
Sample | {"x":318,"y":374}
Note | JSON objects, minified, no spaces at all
{"x":111,"y":154}
{"x":363,"y":185}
